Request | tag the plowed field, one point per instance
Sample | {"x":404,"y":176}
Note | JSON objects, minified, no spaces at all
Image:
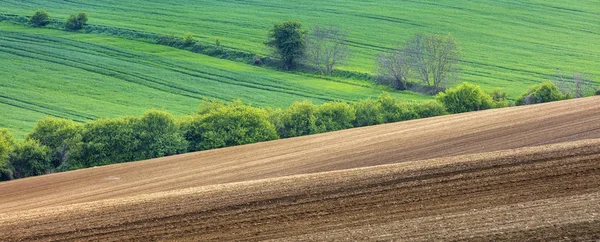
{"x":518,"y":173}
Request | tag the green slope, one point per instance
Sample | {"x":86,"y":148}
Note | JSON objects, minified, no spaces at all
{"x":84,"y":76}
{"x":509,"y":44}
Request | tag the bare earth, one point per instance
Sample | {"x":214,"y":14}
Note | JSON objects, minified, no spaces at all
{"x":510,"y":174}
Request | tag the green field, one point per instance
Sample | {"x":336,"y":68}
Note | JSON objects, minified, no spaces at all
{"x":507,"y":44}
{"x":84,"y":76}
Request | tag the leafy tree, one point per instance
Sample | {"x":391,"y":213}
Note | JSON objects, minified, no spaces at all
{"x":298,"y":120}
{"x":465,"y":98}
{"x":7,"y":143}
{"x":288,"y":41}
{"x":106,"y":141}
{"x":429,"y":109}
{"x":393,"y":68}
{"x":499,"y":98}
{"x":394,"y":111}
{"x":188,"y":39}
{"x":76,"y":22}
{"x":59,"y":135}
{"x":545,"y":92}
{"x":368,"y":112}
{"x":326,"y":48}
{"x":433,"y":58}
{"x":227,"y":125}
{"x":158,"y":135}
{"x":334,"y":116}
{"x":40,"y":18}
{"x":29,"y":158}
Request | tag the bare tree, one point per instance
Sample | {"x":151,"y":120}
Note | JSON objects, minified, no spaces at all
{"x":326,"y":48}
{"x":433,"y":59}
{"x":578,"y":86}
{"x":392,"y":69}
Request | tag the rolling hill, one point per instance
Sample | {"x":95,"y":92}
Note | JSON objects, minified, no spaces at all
{"x":516,"y":173}
{"x":84,"y":77}
{"x":506,"y":44}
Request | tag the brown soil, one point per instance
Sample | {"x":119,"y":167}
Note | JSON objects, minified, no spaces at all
{"x":297,"y":189}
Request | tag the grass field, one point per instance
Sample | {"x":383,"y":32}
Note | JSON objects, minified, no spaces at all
{"x":85,"y":76}
{"x":507,"y":44}
{"x":514,"y":174}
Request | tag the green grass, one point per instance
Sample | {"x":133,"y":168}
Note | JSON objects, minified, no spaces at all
{"x":508,"y":44}
{"x":86,"y":76}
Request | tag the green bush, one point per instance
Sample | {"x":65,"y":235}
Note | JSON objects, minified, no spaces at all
{"x":29,"y":158}
{"x":158,"y":135}
{"x":545,"y":92}
{"x":465,"y":98}
{"x":368,"y":112}
{"x":298,"y":120}
{"x":598,"y":91}
{"x":59,"y":135}
{"x":228,"y":125}
{"x":429,"y":109}
{"x":334,"y":116}
{"x":76,"y":22}
{"x":394,"y":111}
{"x":40,"y":18}
{"x":6,"y":145}
{"x":188,"y":39}
{"x":499,"y":98}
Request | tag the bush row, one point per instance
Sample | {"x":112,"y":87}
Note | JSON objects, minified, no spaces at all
{"x":61,"y":144}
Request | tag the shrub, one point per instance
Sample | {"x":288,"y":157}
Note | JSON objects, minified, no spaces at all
{"x":465,"y":98}
{"x":29,"y":158}
{"x":334,"y":116}
{"x":40,"y":18}
{"x":228,"y":125}
{"x":188,"y":39}
{"x":545,"y":92}
{"x":76,"y":22}
{"x":598,"y":91}
{"x":6,"y":145}
{"x":429,"y":109}
{"x":368,"y":112}
{"x":59,"y":135}
{"x":499,"y":98}
{"x":297,"y":120}
{"x":394,"y":111}
{"x":158,"y":135}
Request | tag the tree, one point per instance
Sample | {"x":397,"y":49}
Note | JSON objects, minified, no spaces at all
{"x":288,"y":41}
{"x":227,"y":125}
{"x":499,"y":98}
{"x":578,"y":86}
{"x":158,"y":135}
{"x":465,"y":98}
{"x":40,"y":18}
{"x":298,"y":120}
{"x":59,"y":135}
{"x":394,"y":111}
{"x":6,"y":145}
{"x":29,"y":158}
{"x":188,"y":39}
{"x":433,"y":58}
{"x":393,"y":69}
{"x":76,"y":22}
{"x":429,"y":109}
{"x":326,"y":48}
{"x":334,"y":116}
{"x":368,"y":112}
{"x":545,"y":92}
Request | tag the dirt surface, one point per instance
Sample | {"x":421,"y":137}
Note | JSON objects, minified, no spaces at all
{"x":297,"y":189}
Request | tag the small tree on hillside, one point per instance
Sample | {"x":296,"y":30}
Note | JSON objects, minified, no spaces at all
{"x":40,"y":18}
{"x":578,"y":86}
{"x":326,"y":48}
{"x":288,"y":41}
{"x":433,"y":58}
{"x":76,"y":22}
{"x":392,"y":68}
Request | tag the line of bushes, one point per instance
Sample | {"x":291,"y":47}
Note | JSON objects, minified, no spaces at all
{"x":60,"y":144}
